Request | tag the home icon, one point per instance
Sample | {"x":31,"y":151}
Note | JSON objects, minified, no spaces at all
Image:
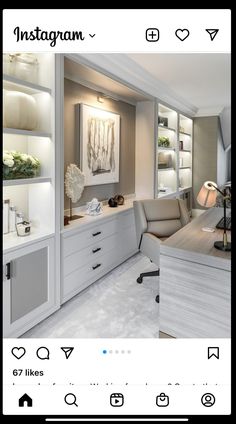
{"x":25,"y":400}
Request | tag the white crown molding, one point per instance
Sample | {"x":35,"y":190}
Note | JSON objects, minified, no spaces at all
{"x":209,"y":111}
{"x":124,"y":69}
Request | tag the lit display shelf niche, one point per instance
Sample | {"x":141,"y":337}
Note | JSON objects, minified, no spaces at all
{"x":35,"y":197}
{"x":174,"y":155}
{"x":166,"y":160}
{"x":185,"y":152}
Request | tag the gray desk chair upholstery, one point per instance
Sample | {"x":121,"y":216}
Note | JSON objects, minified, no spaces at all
{"x":155,"y":220}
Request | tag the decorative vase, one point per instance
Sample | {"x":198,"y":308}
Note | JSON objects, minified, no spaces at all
{"x":19,"y":110}
{"x":21,"y":65}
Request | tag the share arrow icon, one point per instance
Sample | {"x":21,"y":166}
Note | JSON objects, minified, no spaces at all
{"x":67,"y":351}
{"x":212,"y":33}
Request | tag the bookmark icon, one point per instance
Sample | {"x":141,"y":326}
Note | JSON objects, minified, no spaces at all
{"x":213,"y":352}
{"x":67,"y":351}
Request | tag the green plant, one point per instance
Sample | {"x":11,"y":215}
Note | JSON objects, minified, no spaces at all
{"x":19,"y":165}
{"x":163,"y":141}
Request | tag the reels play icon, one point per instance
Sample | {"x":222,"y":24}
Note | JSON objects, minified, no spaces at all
{"x":117,"y":399}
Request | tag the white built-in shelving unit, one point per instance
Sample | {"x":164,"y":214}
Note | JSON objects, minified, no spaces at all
{"x":185,"y":152}
{"x":166,"y":157}
{"x":173,"y":169}
{"x":31,"y":281}
{"x":35,"y":197}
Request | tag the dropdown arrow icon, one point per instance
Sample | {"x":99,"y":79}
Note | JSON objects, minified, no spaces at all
{"x":92,"y":35}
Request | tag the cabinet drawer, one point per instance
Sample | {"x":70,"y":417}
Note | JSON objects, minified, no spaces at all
{"x":89,"y":254}
{"x":86,"y":275}
{"x":88,"y":237}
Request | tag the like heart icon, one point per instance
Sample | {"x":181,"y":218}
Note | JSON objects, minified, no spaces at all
{"x":182,"y":34}
{"x":18,"y":352}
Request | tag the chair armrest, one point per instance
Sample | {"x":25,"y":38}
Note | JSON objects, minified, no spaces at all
{"x":150,"y":247}
{"x":184,"y":215}
{"x":140,"y":220}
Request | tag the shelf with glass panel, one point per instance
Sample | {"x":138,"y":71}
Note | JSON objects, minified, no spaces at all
{"x":17,"y":84}
{"x":16,"y":131}
{"x":164,"y":127}
{"x":166,"y":148}
{"x":26,"y":181}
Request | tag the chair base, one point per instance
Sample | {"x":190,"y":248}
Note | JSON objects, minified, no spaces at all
{"x":149,"y":274}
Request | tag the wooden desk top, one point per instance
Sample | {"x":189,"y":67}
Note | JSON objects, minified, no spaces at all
{"x":191,"y":243}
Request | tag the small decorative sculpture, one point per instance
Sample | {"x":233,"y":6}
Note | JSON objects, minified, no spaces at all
{"x":74,"y":183}
{"x":94,"y":207}
{"x":115,"y":201}
{"x":120,"y":199}
{"x":112,"y":202}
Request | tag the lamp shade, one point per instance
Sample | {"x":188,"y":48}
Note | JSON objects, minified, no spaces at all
{"x":207,"y":195}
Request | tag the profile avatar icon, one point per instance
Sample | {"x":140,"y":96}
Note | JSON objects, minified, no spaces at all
{"x":208,"y":399}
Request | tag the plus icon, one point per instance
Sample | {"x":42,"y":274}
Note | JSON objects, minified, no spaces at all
{"x":152,"y":34}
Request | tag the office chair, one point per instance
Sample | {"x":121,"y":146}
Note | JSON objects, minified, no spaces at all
{"x":155,"y":220}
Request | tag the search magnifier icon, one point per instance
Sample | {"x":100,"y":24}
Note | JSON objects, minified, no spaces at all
{"x":70,"y":399}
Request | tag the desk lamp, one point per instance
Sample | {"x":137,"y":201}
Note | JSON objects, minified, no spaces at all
{"x":207,"y":197}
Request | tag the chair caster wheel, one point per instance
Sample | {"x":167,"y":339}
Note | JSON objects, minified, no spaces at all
{"x":139,"y":280}
{"x":158,"y":298}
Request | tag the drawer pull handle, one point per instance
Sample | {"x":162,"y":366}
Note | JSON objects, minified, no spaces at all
{"x":97,"y":250}
{"x":96,"y":266}
{"x":97,"y":234}
{"x":8,"y":271}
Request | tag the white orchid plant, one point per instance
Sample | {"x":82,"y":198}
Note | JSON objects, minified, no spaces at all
{"x":19,"y":165}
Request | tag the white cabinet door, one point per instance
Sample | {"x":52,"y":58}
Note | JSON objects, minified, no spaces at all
{"x":29,"y":292}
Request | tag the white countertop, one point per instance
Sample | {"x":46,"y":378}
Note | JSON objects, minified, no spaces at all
{"x":12,"y":241}
{"x":90,"y":220}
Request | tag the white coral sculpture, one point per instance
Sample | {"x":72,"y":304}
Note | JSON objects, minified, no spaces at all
{"x":74,"y":182}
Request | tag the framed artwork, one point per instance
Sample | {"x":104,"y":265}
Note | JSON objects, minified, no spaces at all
{"x":99,"y":145}
{"x":162,"y":121}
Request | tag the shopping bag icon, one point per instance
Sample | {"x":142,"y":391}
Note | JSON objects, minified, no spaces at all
{"x":162,"y":400}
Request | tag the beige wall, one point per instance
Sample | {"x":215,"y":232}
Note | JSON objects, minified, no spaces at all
{"x":76,"y":93}
{"x":145,"y":149}
{"x":205,"y":136}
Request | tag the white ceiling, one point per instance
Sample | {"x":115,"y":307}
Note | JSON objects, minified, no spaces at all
{"x":203,"y":80}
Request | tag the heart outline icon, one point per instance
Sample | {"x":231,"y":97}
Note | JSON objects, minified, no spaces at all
{"x":182,"y":34}
{"x":18,"y":352}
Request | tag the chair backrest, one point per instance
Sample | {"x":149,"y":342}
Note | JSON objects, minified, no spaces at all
{"x":161,"y":217}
